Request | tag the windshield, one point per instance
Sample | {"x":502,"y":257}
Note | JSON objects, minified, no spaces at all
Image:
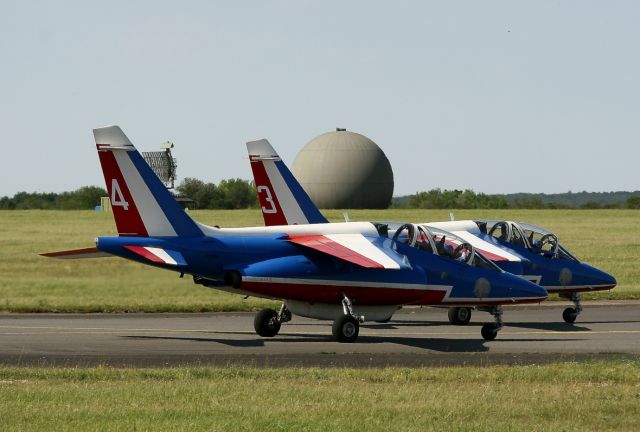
{"x":532,"y":237}
{"x":442,"y":243}
{"x":545,"y":241}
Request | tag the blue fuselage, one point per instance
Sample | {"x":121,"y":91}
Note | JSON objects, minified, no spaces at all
{"x":270,"y":266}
{"x":555,"y":274}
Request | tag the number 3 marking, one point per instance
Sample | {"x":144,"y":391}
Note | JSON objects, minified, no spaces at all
{"x":117,"y":198}
{"x":268,"y":198}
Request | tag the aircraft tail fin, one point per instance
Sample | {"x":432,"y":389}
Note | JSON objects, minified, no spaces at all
{"x":282,"y":198}
{"x":142,"y":206}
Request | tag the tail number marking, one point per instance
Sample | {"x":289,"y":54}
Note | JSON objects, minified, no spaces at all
{"x":269,"y":199}
{"x":117,"y":198}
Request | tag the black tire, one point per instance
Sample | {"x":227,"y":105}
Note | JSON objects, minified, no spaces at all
{"x":346,"y":328}
{"x":266,"y":323}
{"x":489,"y":331}
{"x":569,"y":315}
{"x":459,"y":315}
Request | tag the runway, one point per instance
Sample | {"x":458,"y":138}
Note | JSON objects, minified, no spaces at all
{"x":415,"y":337}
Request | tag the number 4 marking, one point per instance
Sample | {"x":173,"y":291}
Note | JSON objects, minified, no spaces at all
{"x":117,"y":198}
{"x":268,"y":198}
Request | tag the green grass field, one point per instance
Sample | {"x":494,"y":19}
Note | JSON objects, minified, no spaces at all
{"x":609,"y":239}
{"x":591,"y":396}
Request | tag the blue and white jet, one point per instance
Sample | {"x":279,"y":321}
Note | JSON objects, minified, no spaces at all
{"x":346,"y":272}
{"x":519,"y":248}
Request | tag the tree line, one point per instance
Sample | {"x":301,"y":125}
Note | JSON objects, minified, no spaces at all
{"x":228,"y":194}
{"x":468,"y":199}
{"x":87,"y":197}
{"x":238,"y":194}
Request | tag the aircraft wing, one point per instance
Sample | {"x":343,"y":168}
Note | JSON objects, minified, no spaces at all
{"x":91,"y":252}
{"x":353,"y":248}
{"x":153,"y":254}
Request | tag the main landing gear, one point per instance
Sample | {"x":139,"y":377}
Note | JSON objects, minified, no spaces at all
{"x":489,"y":331}
{"x":570,"y":314}
{"x":346,"y":327}
{"x":267,"y":322}
{"x":459,"y":315}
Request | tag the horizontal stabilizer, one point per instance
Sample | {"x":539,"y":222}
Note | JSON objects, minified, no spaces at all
{"x":353,"y":248}
{"x":158,"y":255}
{"x":91,"y":252}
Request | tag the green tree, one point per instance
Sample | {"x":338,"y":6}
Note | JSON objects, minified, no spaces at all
{"x":238,"y":193}
{"x":633,"y":202}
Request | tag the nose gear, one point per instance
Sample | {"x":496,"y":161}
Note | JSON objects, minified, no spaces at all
{"x":489,"y":331}
{"x":570,"y":314}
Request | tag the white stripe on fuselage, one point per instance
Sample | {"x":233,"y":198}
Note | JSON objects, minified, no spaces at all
{"x":468,"y":231}
{"x":483,"y":245}
{"x":154,"y":219}
{"x":162,"y":254}
{"x":360,"y":244}
{"x":365,"y":228}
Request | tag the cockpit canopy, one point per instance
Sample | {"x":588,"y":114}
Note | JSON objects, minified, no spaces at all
{"x":441,"y":243}
{"x":532,"y":237}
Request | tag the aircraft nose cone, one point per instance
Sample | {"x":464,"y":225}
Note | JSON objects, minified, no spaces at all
{"x":608,"y":279}
{"x":598,"y":278}
{"x":525,"y":291}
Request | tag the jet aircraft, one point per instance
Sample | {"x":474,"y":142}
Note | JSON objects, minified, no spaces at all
{"x":522,"y":249}
{"x":346,"y":272}
{"x":537,"y":255}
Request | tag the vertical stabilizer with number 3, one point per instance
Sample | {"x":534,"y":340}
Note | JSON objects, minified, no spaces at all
{"x":282,"y":199}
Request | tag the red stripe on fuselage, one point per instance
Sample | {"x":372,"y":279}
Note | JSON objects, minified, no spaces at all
{"x":267,"y":197}
{"x":128,"y":221}
{"x":330,"y":247}
{"x":360,"y":295}
{"x":143,"y":252}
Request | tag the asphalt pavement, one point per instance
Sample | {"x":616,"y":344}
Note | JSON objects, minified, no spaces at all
{"x":415,"y":337}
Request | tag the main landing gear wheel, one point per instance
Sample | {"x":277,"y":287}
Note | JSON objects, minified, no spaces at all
{"x":489,"y":331}
{"x":569,"y":315}
{"x":459,"y":315}
{"x":346,"y":328}
{"x":266,"y":323}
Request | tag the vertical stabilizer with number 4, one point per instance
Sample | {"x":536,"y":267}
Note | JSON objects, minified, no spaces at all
{"x":142,"y":205}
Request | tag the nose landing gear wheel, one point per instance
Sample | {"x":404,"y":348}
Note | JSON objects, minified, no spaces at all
{"x":489,"y":331}
{"x":569,"y":315}
{"x":346,"y":328}
{"x":266,"y":323}
{"x":459,"y":315}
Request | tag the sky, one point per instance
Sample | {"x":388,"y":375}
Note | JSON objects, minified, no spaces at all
{"x":494,"y":96}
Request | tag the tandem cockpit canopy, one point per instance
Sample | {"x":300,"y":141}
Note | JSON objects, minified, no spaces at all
{"x":441,"y":243}
{"x":532,"y":237}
